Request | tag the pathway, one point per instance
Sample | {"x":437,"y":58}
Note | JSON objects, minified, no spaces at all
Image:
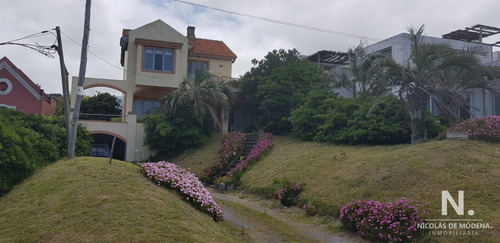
{"x":316,"y":233}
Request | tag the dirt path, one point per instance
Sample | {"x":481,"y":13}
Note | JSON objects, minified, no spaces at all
{"x":312,"y":232}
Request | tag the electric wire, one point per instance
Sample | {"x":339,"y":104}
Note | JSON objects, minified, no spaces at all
{"x":106,"y":61}
{"x":47,"y":50}
{"x":362,"y":37}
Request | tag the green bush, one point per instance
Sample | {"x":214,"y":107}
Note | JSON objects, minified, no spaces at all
{"x":171,"y":134}
{"x":379,"y":120}
{"x":326,"y":118}
{"x":434,"y":126}
{"x":309,"y":116}
{"x":28,"y":142}
{"x":289,"y":191}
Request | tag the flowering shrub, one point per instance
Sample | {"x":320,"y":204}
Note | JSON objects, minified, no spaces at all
{"x":485,"y":128}
{"x":289,"y":192}
{"x":382,"y":221}
{"x":232,"y":143}
{"x":186,"y":183}
{"x":264,"y":143}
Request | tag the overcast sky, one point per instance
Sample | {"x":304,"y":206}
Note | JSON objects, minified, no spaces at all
{"x":249,"y":38}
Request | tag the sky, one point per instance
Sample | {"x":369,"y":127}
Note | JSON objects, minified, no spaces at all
{"x":247,"y":37}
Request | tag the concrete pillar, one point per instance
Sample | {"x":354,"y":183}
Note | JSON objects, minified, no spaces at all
{"x":129,"y":104}
{"x":131,"y":136}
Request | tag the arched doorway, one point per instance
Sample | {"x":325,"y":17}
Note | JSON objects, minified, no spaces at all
{"x":101,"y":147}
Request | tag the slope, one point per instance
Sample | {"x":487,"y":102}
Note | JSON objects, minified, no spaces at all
{"x":87,"y":199}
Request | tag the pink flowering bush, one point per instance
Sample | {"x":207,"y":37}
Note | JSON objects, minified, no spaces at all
{"x":485,"y":128}
{"x":172,"y":176}
{"x":264,"y":143}
{"x":289,"y":192}
{"x":383,"y":221}
{"x":232,"y":143}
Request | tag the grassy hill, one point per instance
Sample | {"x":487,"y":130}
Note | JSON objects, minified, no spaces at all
{"x":336,"y":175}
{"x":86,"y":199}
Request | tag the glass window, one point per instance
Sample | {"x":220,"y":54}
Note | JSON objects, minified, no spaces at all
{"x":158,"y":59}
{"x":148,"y":58}
{"x":145,"y":107}
{"x":194,"y":66}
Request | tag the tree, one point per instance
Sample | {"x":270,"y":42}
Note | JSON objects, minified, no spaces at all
{"x":276,"y":85}
{"x":366,"y":74}
{"x":170,"y":134}
{"x":102,"y":103}
{"x":435,"y":70}
{"x":206,"y":94}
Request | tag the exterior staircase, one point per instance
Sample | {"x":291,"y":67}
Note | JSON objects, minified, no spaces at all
{"x":250,"y":142}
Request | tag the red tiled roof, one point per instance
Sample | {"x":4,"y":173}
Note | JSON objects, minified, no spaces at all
{"x":210,"y":48}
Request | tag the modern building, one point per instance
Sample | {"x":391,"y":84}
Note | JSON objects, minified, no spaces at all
{"x":483,"y":102}
{"x":19,"y":92}
{"x":156,"y":59}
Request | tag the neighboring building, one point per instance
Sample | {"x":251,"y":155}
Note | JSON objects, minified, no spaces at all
{"x":483,"y":102}
{"x":18,"y":92}
{"x":156,"y":59}
{"x":334,"y":62}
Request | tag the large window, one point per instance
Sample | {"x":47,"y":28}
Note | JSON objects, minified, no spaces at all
{"x":158,"y":59}
{"x":194,"y":66}
{"x":145,"y":107}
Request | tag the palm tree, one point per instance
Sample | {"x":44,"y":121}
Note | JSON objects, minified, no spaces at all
{"x":437,"y":71}
{"x":208,"y":95}
{"x":365,"y":75}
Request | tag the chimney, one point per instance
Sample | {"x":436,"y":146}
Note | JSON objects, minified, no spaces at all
{"x":190,"y":32}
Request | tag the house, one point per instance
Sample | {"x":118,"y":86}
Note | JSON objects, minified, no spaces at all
{"x":483,"y":102}
{"x":19,"y":92}
{"x":156,"y":59}
{"x":333,"y":62}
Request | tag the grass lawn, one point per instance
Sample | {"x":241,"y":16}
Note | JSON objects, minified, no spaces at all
{"x":336,"y":175}
{"x":195,"y":160}
{"x":87,"y":199}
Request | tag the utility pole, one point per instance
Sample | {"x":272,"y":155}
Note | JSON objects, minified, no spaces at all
{"x":64,"y":77}
{"x":81,"y":80}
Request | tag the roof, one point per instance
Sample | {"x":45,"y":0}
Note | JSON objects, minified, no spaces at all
{"x":211,"y":49}
{"x":329,"y":57}
{"x":36,"y":91}
{"x":474,"y":34}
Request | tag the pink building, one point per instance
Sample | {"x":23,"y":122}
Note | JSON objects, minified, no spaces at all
{"x":18,"y":92}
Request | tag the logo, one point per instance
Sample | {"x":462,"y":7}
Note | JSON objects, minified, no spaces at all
{"x":459,"y":226}
{"x":459,"y":208}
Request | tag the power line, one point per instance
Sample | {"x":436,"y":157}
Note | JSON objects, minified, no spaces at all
{"x":282,"y":22}
{"x":106,"y":61}
{"x":47,"y":50}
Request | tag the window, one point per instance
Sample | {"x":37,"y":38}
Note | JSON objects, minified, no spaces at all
{"x":145,"y":107}
{"x":158,"y":59}
{"x":194,"y":66}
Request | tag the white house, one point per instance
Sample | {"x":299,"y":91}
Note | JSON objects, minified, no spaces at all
{"x":483,"y":102}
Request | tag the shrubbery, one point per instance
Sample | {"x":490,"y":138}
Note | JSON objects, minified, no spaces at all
{"x":232,"y":143}
{"x":289,"y":191}
{"x":485,"y":129}
{"x":378,"y":221}
{"x":171,"y":134}
{"x":373,"y":120}
{"x":190,"y":187}
{"x":263,"y":145}
{"x":28,"y":142}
